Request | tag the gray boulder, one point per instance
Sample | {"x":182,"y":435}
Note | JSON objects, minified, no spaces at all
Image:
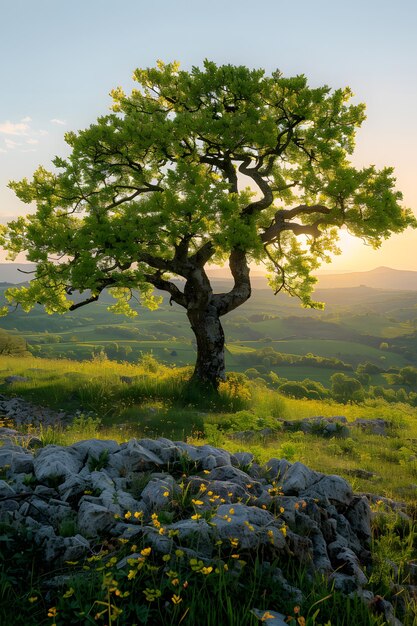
{"x":297,"y":479}
{"x":94,"y":519}
{"x":159,"y":491}
{"x":333,"y":489}
{"x":55,"y":462}
{"x":93,"y":448}
{"x":132,"y":457}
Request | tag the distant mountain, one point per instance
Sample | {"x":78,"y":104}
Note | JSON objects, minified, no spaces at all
{"x":379,"y":278}
{"x":9,"y":272}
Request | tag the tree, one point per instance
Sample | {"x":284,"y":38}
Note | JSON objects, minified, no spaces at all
{"x":346,"y":389}
{"x":219,"y":164}
{"x":12,"y":345}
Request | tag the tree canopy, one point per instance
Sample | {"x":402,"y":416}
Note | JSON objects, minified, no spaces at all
{"x":213,"y":165}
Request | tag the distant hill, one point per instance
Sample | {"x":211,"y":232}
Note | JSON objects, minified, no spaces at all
{"x":379,"y":278}
{"x":9,"y":272}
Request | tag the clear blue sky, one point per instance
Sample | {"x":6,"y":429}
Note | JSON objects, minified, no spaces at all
{"x":59,"y":60}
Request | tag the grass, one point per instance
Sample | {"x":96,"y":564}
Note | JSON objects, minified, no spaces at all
{"x":150,"y":405}
{"x":169,"y":589}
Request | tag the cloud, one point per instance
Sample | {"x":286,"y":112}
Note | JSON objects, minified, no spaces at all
{"x":11,"y":144}
{"x":32,"y":141}
{"x":58,"y":122}
{"x":8,"y":128}
{"x":3,"y":150}
{"x":26,"y":119}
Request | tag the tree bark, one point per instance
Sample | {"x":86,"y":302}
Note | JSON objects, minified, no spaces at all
{"x":204,"y":309}
{"x":210,"y":366}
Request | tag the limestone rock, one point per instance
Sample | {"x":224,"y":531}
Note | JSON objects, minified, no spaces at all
{"x":55,"y":462}
{"x":132,"y":457}
{"x":93,"y":519}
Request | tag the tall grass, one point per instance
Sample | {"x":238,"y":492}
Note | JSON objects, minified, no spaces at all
{"x":113,"y":400}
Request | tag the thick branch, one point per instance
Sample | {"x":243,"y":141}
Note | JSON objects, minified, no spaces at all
{"x":268,"y":196}
{"x":280,"y":222}
{"x":202,"y":256}
{"x":226,"y":302}
{"x":156,"y":262}
{"x":166,"y":285}
{"x":304,"y":209}
{"x":226,"y":166}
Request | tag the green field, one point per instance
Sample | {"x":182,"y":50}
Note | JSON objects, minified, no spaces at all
{"x":351,"y":330}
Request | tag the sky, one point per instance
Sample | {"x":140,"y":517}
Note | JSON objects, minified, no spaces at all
{"x":59,"y":61}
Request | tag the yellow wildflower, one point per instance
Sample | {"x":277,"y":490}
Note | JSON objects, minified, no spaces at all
{"x":266,"y":615}
{"x":152,"y":594}
{"x":176,"y":599}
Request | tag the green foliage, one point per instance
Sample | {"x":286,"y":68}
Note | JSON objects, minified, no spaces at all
{"x":346,"y":389}
{"x":293,"y":390}
{"x":99,"y":463}
{"x":150,"y":192}
{"x":12,"y":345}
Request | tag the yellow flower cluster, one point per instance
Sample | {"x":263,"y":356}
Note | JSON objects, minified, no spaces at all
{"x":152,"y":594}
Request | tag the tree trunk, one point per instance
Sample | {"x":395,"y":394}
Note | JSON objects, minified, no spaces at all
{"x":210,"y":367}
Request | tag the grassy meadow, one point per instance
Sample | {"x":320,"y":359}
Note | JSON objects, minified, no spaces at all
{"x":152,"y":404}
{"x":118,"y":378}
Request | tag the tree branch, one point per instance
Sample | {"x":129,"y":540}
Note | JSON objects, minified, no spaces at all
{"x":226,"y":302}
{"x":77,"y":305}
{"x":202,"y":256}
{"x":279,"y":223}
{"x":268,"y":196}
{"x":165,"y":285}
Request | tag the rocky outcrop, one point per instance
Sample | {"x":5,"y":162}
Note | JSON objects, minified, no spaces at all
{"x":70,"y":497}
{"x":334,"y":426}
{"x":101,"y":486}
{"x":20,"y":412}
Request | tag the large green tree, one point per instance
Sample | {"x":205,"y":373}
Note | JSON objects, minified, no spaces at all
{"x":219,"y":164}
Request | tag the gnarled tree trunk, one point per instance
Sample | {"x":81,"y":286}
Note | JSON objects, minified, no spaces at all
{"x":210,"y":367}
{"x":204,"y":310}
